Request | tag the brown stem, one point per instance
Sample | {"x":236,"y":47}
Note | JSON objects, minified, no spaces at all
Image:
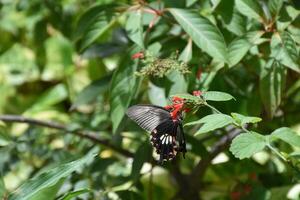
{"x":90,"y":135}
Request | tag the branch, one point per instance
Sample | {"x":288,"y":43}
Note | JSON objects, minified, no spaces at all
{"x":200,"y":169}
{"x":90,"y":135}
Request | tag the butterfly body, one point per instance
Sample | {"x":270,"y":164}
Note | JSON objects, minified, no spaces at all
{"x":165,"y":126}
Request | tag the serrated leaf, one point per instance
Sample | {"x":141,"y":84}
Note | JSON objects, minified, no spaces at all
{"x":212,"y":122}
{"x":205,"y":35}
{"x":272,"y":82}
{"x":91,"y":92}
{"x":217,"y":96}
{"x":247,"y":144}
{"x":287,"y":135}
{"x":284,"y":50}
{"x":73,"y":194}
{"x":250,"y":8}
{"x":123,"y":86}
{"x":50,"y":178}
{"x":242,"y":119}
{"x":134,"y":27}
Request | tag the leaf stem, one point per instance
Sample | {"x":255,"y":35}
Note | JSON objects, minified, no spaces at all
{"x":213,"y":108}
{"x":277,"y":152}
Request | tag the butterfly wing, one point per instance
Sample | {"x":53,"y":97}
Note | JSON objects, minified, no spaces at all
{"x":167,"y":134}
{"x":149,"y":117}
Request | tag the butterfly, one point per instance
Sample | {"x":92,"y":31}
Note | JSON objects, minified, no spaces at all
{"x":167,"y":135}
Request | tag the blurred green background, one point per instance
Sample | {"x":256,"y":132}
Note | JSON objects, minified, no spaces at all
{"x":69,"y":63}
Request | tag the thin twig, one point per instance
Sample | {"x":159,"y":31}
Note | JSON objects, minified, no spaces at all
{"x":90,"y":135}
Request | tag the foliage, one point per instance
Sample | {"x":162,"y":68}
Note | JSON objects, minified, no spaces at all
{"x":70,"y":69}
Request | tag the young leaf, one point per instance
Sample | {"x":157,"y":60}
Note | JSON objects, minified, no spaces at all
{"x":50,"y":178}
{"x":287,"y":135}
{"x":123,"y":86}
{"x":247,"y":144}
{"x":250,"y":9}
{"x":205,"y":35}
{"x":284,"y":50}
{"x":242,"y":119}
{"x":134,"y":28}
{"x":212,"y":122}
{"x":272,"y":83}
{"x":91,"y":92}
{"x":217,"y":96}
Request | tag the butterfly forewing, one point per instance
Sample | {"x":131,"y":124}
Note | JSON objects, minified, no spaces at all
{"x":148,"y":116}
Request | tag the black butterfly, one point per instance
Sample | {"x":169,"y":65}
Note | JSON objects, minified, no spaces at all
{"x":167,"y":134}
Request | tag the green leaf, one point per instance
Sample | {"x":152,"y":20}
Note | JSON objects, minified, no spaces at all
{"x":237,"y":24}
{"x":91,"y":92}
{"x":73,"y":194}
{"x":274,"y":7}
{"x":247,"y":144}
{"x":240,"y":46}
{"x":187,"y":97}
{"x":272,"y":82}
{"x":284,"y":50}
{"x":242,"y":119}
{"x":48,"y":193}
{"x":157,"y":95}
{"x":123,"y":87}
{"x":142,"y":155}
{"x":49,"y":98}
{"x":250,"y":8}
{"x":217,"y":96}
{"x":93,"y":24}
{"x":49,"y":178}
{"x":287,"y":135}
{"x":187,"y":54}
{"x":205,"y":35}
{"x":2,"y":188}
{"x":212,"y":122}
{"x":286,"y":16}
{"x":134,"y":27}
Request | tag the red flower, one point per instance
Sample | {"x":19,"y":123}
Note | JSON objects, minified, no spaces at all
{"x":177,"y":100}
{"x":235,"y":195}
{"x":137,"y":55}
{"x":197,"y":93}
{"x":199,"y":73}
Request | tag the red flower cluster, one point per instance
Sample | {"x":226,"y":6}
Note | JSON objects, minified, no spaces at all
{"x":177,"y":105}
{"x":137,"y":55}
